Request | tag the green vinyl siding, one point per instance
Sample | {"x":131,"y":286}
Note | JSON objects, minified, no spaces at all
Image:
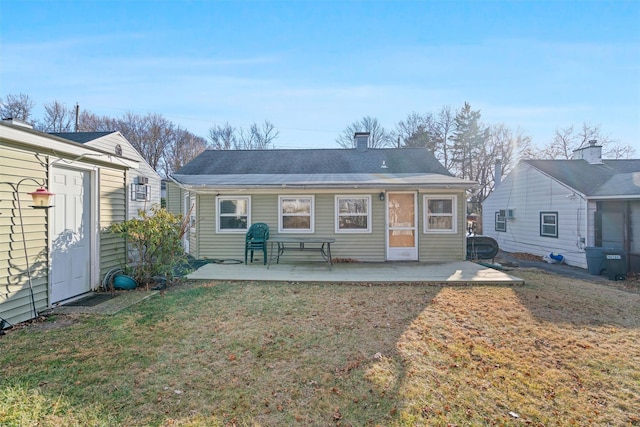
{"x":264,"y":208}
{"x":18,"y":161}
{"x":441,"y":247}
{"x":15,"y":297}
{"x":365,"y":247}
{"x":113,"y":209}
{"x":174,"y":198}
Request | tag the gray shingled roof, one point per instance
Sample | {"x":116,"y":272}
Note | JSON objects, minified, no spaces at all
{"x":611,"y":178}
{"x":80,"y":137}
{"x":317,"y":161}
{"x":317,"y":168}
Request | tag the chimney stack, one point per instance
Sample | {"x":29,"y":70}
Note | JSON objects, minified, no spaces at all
{"x":591,"y":153}
{"x":497,"y":178}
{"x":362,"y":140}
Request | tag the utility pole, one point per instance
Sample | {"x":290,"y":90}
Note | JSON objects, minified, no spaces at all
{"x":77,"y":116}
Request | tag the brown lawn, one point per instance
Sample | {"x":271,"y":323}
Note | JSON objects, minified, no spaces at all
{"x":553,"y":352}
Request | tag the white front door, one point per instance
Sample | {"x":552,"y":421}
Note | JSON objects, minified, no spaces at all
{"x":70,"y":233}
{"x":402,"y":217}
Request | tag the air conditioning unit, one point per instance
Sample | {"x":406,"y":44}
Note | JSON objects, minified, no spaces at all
{"x":511,"y":213}
{"x":142,"y":180}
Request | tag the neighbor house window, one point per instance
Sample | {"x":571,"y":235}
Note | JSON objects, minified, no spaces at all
{"x":296,"y":214}
{"x":440,"y":214}
{"x":501,"y":221}
{"x":233,"y":214}
{"x":353,"y":214}
{"x":549,"y":224}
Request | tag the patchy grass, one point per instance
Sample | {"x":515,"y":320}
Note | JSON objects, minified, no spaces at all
{"x":553,"y":352}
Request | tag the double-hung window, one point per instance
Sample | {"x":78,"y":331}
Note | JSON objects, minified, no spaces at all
{"x":233,"y":214}
{"x":353,"y":214}
{"x":501,"y":221}
{"x":296,"y":214}
{"x":549,"y":224}
{"x":440,"y":214}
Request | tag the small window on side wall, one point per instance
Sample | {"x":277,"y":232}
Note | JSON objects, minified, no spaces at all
{"x":501,"y":221}
{"x":233,"y":214}
{"x":353,"y":214}
{"x":440,"y":214}
{"x":549,"y":224}
{"x":296,"y":214}
{"x":140,"y":193}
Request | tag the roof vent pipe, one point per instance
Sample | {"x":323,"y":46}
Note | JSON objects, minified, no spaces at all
{"x":361,"y":140}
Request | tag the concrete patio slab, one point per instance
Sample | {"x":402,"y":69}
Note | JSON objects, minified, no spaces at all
{"x":458,"y":272}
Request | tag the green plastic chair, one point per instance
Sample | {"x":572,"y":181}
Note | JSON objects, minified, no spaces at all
{"x":256,"y":239}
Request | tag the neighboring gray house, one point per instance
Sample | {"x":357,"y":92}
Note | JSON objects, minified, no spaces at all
{"x":378,"y":204}
{"x":563,"y":206}
{"x":143,"y":183}
{"x":68,"y":249}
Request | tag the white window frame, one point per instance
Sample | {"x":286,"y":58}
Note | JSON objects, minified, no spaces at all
{"x":140,"y":192}
{"x":281,"y":229}
{"x":502,"y":221}
{"x":542,"y":224}
{"x":338,"y":214}
{"x":453,"y":215}
{"x":220,"y":199}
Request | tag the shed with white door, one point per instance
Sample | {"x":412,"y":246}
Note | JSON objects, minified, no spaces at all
{"x":68,"y":249}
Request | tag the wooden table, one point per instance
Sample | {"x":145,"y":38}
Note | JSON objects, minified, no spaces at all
{"x":300,"y":244}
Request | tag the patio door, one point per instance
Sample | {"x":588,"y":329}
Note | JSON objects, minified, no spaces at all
{"x":70,"y":233}
{"x":402,"y":218}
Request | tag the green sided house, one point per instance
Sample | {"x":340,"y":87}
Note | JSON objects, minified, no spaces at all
{"x":67,"y":249}
{"x":378,"y":204}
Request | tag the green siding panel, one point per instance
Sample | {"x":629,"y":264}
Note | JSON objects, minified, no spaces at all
{"x":113,"y":209}
{"x":15,"y":295}
{"x":365,"y":247}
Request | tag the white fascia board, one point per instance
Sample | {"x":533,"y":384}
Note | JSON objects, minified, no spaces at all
{"x":622,"y":197}
{"x":208,"y":184}
{"x":61,"y":147}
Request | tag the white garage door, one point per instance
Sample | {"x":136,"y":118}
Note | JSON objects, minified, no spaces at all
{"x":71,"y":237}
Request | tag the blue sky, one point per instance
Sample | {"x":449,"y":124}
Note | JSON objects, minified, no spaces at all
{"x":314,"y":67}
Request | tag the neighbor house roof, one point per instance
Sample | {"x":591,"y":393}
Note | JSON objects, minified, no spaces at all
{"x":611,"y":178}
{"x":80,"y":137}
{"x":43,"y":141}
{"x":317,"y":168}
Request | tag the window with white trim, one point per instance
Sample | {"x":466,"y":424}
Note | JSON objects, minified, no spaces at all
{"x":296,"y":214}
{"x":501,"y":221}
{"x":549,"y":224}
{"x":233,"y":214}
{"x":440,"y":214}
{"x":140,"y":192}
{"x":353,"y":214}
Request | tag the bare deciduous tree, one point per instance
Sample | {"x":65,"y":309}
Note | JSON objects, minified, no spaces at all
{"x":223,"y":137}
{"x":568,"y":139}
{"x":416,"y":131}
{"x":57,"y":118}
{"x":378,"y":138}
{"x":17,"y":107}
{"x":619,"y":151}
{"x":256,"y":137}
{"x":185,"y":148}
